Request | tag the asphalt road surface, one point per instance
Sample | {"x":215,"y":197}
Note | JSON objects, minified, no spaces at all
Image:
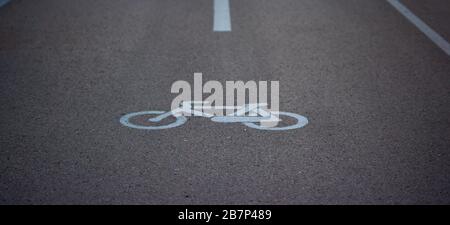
{"x":375,"y":89}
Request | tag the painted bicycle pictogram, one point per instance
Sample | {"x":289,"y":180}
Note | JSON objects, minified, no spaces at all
{"x":243,"y":114}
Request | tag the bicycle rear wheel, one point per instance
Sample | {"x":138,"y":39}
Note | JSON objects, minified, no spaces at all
{"x":128,"y":120}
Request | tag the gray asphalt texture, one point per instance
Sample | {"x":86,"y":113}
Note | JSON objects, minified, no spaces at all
{"x":375,"y":90}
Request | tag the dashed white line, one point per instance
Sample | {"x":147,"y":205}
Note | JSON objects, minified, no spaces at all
{"x":222,"y":19}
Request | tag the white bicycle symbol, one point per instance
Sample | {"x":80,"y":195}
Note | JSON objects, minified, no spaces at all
{"x":242,"y":115}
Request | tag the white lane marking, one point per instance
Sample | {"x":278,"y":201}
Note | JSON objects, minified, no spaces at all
{"x":3,"y":2}
{"x":222,"y":16}
{"x":430,"y":33}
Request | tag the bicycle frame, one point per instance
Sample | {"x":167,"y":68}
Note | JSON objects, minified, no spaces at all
{"x":197,"y":108}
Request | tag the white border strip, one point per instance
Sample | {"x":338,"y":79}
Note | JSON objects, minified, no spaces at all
{"x":222,"y":16}
{"x":430,"y":33}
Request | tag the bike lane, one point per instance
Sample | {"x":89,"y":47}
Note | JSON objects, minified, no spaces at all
{"x":371,"y":85}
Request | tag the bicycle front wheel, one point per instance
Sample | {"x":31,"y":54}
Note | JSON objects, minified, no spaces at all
{"x":301,"y":121}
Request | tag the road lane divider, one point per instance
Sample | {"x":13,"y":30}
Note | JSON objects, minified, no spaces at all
{"x":222,"y":20}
